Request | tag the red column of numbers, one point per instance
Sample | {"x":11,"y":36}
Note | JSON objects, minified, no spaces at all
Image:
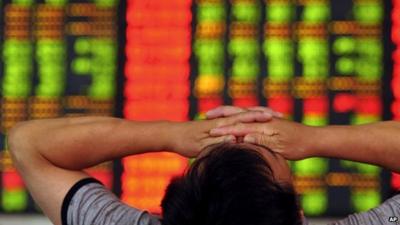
{"x":157,"y":87}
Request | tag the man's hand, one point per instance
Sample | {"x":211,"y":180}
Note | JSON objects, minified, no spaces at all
{"x":290,"y":139}
{"x":281,"y":136}
{"x":190,"y":138}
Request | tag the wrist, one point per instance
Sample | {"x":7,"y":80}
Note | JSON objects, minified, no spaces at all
{"x":149,"y":136}
{"x":327,"y":140}
{"x":313,"y":144}
{"x":168,"y":132}
{"x":165,"y":131}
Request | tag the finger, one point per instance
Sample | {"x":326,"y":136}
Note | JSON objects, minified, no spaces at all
{"x":245,"y":117}
{"x":253,"y":138}
{"x":218,"y":140}
{"x":266,"y":109}
{"x":260,"y":139}
{"x":239,"y":129}
{"x":223,"y":111}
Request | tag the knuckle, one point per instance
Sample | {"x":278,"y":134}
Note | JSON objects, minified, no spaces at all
{"x":221,"y":108}
{"x":221,"y":122}
{"x":238,"y":125}
{"x":263,"y":140}
{"x":268,"y":110}
{"x":256,"y":113}
{"x":226,"y":109}
{"x":244,"y":115}
{"x":202,"y":144}
{"x":218,"y":122}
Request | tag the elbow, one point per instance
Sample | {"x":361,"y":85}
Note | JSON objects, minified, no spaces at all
{"x":18,"y":142}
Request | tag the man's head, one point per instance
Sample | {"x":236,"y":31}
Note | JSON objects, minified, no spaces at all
{"x":230,"y":185}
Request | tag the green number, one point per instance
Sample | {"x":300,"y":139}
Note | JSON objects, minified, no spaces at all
{"x":248,"y":12}
{"x":370,"y":12}
{"x":365,"y":200}
{"x":345,"y":65}
{"x":82,"y":46}
{"x":210,"y":68}
{"x":245,"y":68}
{"x":209,"y":48}
{"x":211,"y":12}
{"x":363,"y":119}
{"x":81,"y":65}
{"x":49,"y":89}
{"x":311,"y":167}
{"x":279,"y":48}
{"x":26,"y":3}
{"x":56,"y":2}
{"x":102,"y":90}
{"x":344,"y":45}
{"x":315,"y":120}
{"x":316,"y":13}
{"x":280,"y":70}
{"x":314,"y":202}
{"x":244,"y":47}
{"x":279,"y":12}
{"x":14,"y":200}
{"x":106,"y":3}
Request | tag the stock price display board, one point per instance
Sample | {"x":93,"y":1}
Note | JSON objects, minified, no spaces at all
{"x":319,"y":62}
{"x":58,"y":58}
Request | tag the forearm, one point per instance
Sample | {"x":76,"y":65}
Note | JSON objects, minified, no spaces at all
{"x":77,"y":143}
{"x":376,"y":143}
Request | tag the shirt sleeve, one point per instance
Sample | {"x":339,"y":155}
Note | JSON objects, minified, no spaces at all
{"x":388,"y":213}
{"x":89,"y":203}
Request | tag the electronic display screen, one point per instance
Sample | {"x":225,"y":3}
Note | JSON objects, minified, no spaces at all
{"x":318,"y":62}
{"x":58,"y":58}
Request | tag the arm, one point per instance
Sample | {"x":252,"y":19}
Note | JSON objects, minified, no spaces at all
{"x":79,"y":143}
{"x":50,"y":154}
{"x":375,"y":143}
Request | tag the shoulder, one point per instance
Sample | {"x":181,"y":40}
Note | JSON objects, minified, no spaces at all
{"x":388,"y":213}
{"x":89,"y":203}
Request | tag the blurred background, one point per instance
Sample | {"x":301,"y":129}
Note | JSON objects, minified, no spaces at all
{"x":319,"y":62}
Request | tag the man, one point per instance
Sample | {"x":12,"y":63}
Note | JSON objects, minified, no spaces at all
{"x":230,"y":183}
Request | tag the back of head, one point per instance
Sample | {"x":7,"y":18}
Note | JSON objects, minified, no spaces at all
{"x":231,"y":185}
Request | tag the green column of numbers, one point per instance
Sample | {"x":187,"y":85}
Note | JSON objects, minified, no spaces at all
{"x":209,"y":50}
{"x":16,"y":84}
{"x":279,"y":51}
{"x":244,"y":48}
{"x":313,"y":55}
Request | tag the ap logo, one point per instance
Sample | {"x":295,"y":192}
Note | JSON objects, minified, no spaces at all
{"x":393,"y":219}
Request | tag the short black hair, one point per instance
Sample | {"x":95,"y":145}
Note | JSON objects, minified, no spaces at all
{"x":231,"y":185}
